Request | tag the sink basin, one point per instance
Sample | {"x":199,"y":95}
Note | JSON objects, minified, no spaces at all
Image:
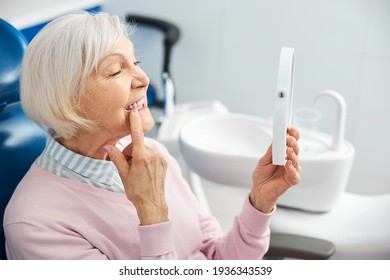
{"x":225,"y":148}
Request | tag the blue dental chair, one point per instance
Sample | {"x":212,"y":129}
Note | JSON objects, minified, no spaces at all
{"x":21,"y":140}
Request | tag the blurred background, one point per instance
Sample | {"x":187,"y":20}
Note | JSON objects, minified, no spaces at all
{"x":229,"y":50}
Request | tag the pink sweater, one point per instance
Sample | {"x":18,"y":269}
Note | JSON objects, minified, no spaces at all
{"x":50,"y":217}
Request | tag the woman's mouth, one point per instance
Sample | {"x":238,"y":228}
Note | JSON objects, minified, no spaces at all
{"x":139,"y":105}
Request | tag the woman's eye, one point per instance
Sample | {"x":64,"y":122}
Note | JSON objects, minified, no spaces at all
{"x":137,"y":62}
{"x":116,"y":73}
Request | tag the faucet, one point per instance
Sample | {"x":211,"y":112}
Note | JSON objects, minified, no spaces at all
{"x":338,"y":134}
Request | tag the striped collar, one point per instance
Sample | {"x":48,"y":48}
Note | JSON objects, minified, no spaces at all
{"x":66,"y":163}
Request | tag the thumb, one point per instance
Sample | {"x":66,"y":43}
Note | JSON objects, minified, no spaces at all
{"x":117,"y":158}
{"x":267,"y":157}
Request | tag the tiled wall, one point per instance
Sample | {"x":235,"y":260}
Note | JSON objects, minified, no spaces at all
{"x":229,"y":50}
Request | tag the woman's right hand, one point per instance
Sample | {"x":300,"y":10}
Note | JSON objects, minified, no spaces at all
{"x":142,"y":171}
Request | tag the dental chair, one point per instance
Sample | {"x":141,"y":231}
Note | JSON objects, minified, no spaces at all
{"x":21,"y":140}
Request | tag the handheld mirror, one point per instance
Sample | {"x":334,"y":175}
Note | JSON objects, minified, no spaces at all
{"x":283,"y":105}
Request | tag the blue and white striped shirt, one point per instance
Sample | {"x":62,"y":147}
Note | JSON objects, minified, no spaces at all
{"x":68,"y":164}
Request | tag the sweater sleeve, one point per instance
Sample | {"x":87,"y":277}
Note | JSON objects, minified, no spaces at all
{"x":248,"y":239}
{"x":156,"y":242}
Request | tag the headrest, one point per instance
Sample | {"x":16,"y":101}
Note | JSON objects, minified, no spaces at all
{"x":12,"y":47}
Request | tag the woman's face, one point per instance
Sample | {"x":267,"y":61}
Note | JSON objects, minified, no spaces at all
{"x":118,"y":85}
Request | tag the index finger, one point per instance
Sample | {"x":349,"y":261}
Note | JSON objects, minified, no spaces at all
{"x":136,"y":131}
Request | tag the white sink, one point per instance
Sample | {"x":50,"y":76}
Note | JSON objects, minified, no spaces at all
{"x":225,"y":148}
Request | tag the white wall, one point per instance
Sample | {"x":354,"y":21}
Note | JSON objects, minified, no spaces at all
{"x":229,"y":50}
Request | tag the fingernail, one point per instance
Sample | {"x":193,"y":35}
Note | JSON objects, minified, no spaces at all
{"x":107,"y":149}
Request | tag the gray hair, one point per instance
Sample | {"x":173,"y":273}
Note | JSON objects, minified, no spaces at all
{"x":57,"y":63}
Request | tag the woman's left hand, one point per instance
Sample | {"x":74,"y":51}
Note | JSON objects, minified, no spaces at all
{"x":271,"y":181}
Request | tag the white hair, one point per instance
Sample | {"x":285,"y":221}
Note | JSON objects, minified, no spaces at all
{"x":57,"y":63}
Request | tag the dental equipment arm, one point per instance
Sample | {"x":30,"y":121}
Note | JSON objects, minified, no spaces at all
{"x":171,"y":36}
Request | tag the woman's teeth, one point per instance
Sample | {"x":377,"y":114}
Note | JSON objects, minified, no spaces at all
{"x":139,"y":105}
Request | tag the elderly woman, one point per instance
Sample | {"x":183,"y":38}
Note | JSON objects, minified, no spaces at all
{"x":100,"y":189}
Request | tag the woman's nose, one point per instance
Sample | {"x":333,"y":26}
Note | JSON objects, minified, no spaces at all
{"x":140,"y":79}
